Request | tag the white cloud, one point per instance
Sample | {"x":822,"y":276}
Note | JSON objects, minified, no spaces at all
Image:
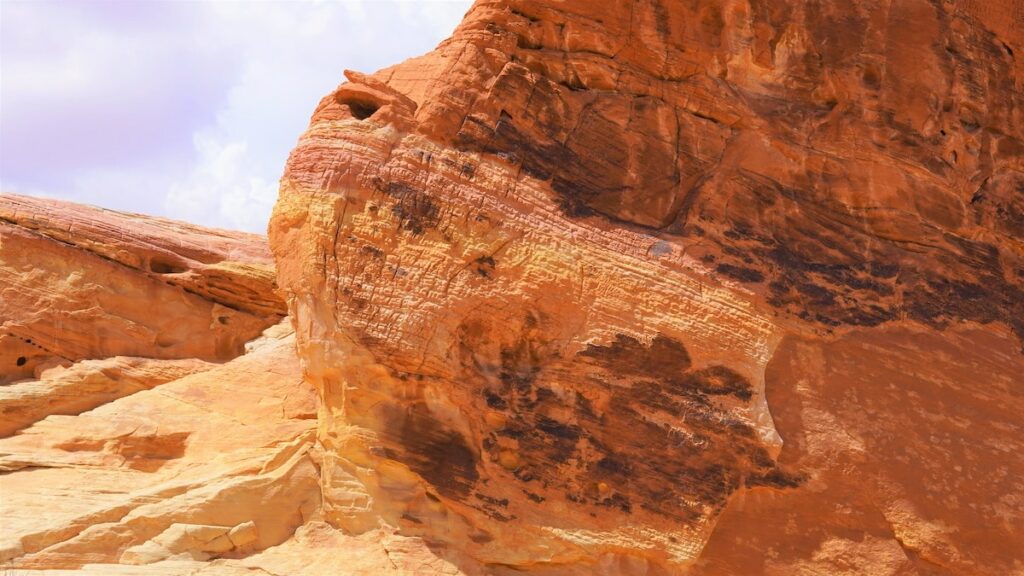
{"x":220,"y":191}
{"x":184,"y":109}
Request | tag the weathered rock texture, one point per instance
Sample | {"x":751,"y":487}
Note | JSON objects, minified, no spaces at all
{"x":729,"y":287}
{"x":711,"y":288}
{"x":196,"y":458}
{"x":78,"y":282}
{"x":225,"y":450}
{"x":142,"y":415}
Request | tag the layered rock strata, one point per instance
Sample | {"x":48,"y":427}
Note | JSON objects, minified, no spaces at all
{"x":152,"y":409}
{"x":78,"y":282}
{"x":548,"y":279}
{"x":708,"y":288}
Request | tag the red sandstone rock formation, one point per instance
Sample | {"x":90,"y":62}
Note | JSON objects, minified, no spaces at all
{"x":79,"y":282}
{"x":650,"y":287}
{"x":709,"y":288}
{"x":142,"y":414}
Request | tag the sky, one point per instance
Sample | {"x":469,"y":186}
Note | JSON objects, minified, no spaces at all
{"x":183,"y":108}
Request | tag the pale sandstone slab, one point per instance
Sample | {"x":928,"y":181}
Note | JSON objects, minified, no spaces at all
{"x":223,"y":447}
{"x":85,"y":385}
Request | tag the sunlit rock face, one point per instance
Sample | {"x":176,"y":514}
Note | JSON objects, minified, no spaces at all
{"x":152,"y":408}
{"x":712,"y":288}
{"x":121,"y":455}
{"x":555,"y":281}
{"x":79,"y":282}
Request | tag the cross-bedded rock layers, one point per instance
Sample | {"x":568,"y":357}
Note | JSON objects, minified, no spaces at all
{"x":709,"y":288}
{"x":597,"y":286}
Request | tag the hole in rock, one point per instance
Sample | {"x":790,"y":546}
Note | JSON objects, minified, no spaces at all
{"x":159,"y":266}
{"x":21,"y":361}
{"x":361,"y":109}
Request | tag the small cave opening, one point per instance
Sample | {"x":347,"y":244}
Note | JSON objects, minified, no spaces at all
{"x":361,"y":109}
{"x":161,"y":266}
{"x":21,"y":361}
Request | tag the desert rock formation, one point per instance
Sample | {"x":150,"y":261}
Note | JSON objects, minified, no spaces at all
{"x":709,"y":288}
{"x":151,"y":402}
{"x":153,"y":415}
{"x":725,"y":287}
{"x":80,"y":283}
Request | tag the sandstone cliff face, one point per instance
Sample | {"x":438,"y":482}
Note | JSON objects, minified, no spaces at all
{"x":655,"y":287}
{"x":709,"y":288}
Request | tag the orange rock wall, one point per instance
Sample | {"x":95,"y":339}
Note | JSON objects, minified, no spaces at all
{"x":79,"y":282}
{"x":594,"y":288}
{"x":548,"y":279}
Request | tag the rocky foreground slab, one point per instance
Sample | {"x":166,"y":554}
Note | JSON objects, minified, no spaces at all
{"x":612,"y":288}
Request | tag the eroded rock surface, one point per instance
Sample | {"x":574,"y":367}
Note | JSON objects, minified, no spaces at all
{"x":542,"y":276}
{"x":151,"y":420}
{"x":145,"y":477}
{"x":711,"y":288}
{"x":78,"y":282}
{"x":909,"y":439}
